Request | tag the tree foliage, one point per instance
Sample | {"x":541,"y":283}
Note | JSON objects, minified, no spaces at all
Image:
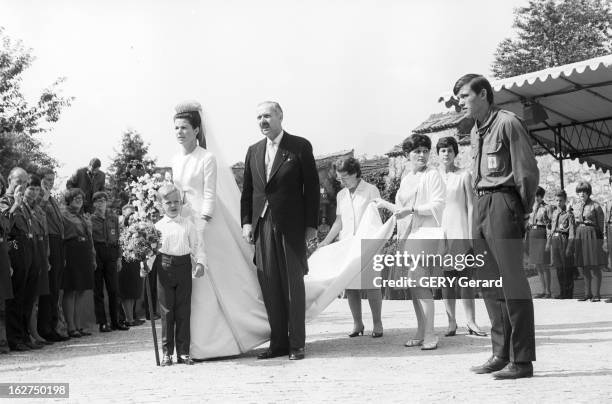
{"x":130,"y":161}
{"x":20,"y":121}
{"x":553,"y":33}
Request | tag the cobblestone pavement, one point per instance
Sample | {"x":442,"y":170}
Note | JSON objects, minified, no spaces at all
{"x":574,"y":342}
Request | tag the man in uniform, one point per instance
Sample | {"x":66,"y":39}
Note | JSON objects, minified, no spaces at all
{"x":506,"y":179}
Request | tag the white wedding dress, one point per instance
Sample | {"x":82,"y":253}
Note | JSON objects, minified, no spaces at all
{"x":228,"y":316}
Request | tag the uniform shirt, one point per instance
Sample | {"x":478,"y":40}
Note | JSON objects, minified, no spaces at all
{"x":20,"y":219}
{"x":75,"y":225}
{"x":179,"y":237}
{"x":503,"y":156}
{"x":55,"y":219}
{"x":590,"y":213}
{"x":351,"y":207}
{"x":541,"y":215}
{"x":39,"y":222}
{"x":105,"y":229}
{"x":563,"y":221}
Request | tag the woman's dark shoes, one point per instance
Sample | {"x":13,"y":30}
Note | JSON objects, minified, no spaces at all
{"x":547,"y":295}
{"x":515,"y":370}
{"x":356,"y":333}
{"x":166,"y":361}
{"x":55,"y":337}
{"x":4,"y":347}
{"x":33,"y":345}
{"x":84,"y":333}
{"x":451,"y":333}
{"x":478,"y":333}
{"x":19,"y":347}
{"x":74,"y":334}
{"x":596,"y":299}
{"x":184,"y":359}
{"x":269,"y":354}
{"x":43,"y":341}
{"x":539,"y":295}
{"x":493,"y":364}
{"x":120,"y":327}
{"x":104,"y":328}
{"x":584,"y":299}
{"x":376,"y":334}
{"x":296,"y":354}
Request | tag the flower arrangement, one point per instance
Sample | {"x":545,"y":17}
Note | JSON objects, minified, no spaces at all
{"x":143,"y":193}
{"x":141,"y":240}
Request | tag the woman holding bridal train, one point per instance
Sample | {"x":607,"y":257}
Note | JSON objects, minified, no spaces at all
{"x":419,"y":203}
{"x":227,"y":312}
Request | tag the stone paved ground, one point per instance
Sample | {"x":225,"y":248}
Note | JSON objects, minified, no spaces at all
{"x":574,"y":364}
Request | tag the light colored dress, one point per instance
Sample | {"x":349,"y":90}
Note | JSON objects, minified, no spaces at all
{"x":425,"y":190}
{"x":227,"y":312}
{"x":351,"y":208}
{"x":455,"y":220}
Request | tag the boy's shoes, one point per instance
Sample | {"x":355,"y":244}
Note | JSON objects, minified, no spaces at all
{"x":184,"y":359}
{"x":104,"y":328}
{"x":166,"y":361}
{"x":120,"y":327}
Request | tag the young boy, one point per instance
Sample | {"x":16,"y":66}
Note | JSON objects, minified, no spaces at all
{"x":105,"y":232}
{"x":179,"y":242}
{"x":560,"y":244}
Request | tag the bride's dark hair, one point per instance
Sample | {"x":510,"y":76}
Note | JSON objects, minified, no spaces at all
{"x":193,"y":117}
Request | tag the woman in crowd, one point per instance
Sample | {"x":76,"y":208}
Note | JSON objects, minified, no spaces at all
{"x":589,"y":254}
{"x":41,"y":259}
{"x":539,"y":221}
{"x":352,"y":202}
{"x":457,"y":225}
{"x":6,"y":286}
{"x":129,"y":280}
{"x":80,"y":262}
{"x":419,"y":203}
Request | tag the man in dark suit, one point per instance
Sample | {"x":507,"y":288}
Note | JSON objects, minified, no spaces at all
{"x":90,"y":180}
{"x":279,"y":211}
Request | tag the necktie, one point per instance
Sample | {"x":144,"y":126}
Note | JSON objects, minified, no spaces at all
{"x":270,"y":154}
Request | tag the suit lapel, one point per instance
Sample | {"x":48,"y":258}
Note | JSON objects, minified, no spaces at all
{"x":281,"y":155}
{"x":260,"y":160}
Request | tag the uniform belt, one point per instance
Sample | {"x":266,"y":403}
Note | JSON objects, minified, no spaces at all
{"x":176,"y":259}
{"x":485,"y":191}
{"x":561,"y":232}
{"x":538,"y":226}
{"x":586,"y":224}
{"x":40,"y":238}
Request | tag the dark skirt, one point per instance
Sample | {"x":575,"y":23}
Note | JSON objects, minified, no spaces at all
{"x":588,"y":247}
{"x":537,"y":247}
{"x":130,"y":282}
{"x":41,"y":263}
{"x":78,"y":274}
{"x":6,"y":286}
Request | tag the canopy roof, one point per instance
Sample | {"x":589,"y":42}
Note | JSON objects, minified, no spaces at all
{"x":578,"y":101}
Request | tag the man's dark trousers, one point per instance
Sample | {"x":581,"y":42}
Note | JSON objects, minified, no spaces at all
{"x":286,"y":310}
{"x":498,"y":228}
{"x":106,"y":274}
{"x":174,"y":291}
{"x":48,"y":311}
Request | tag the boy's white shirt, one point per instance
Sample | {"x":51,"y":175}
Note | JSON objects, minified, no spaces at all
{"x":179,"y":237}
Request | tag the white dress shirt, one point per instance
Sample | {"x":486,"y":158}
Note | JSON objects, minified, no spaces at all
{"x":179,"y":237}
{"x":271,"y":149}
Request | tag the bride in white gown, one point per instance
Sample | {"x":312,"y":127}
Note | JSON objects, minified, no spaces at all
{"x":228,"y":316}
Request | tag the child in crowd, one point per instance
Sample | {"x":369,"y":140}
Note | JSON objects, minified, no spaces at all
{"x":179,"y":242}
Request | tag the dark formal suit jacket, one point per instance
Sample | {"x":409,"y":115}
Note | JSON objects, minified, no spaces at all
{"x":82,"y":179}
{"x":292,"y":191}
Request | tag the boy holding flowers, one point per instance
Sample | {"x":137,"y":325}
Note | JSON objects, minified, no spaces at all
{"x":179,"y":242}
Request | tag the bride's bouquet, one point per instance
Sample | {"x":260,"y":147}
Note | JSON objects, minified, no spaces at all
{"x":144,"y":195}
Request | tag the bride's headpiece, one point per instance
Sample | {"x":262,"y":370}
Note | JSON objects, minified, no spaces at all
{"x":193,"y":109}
